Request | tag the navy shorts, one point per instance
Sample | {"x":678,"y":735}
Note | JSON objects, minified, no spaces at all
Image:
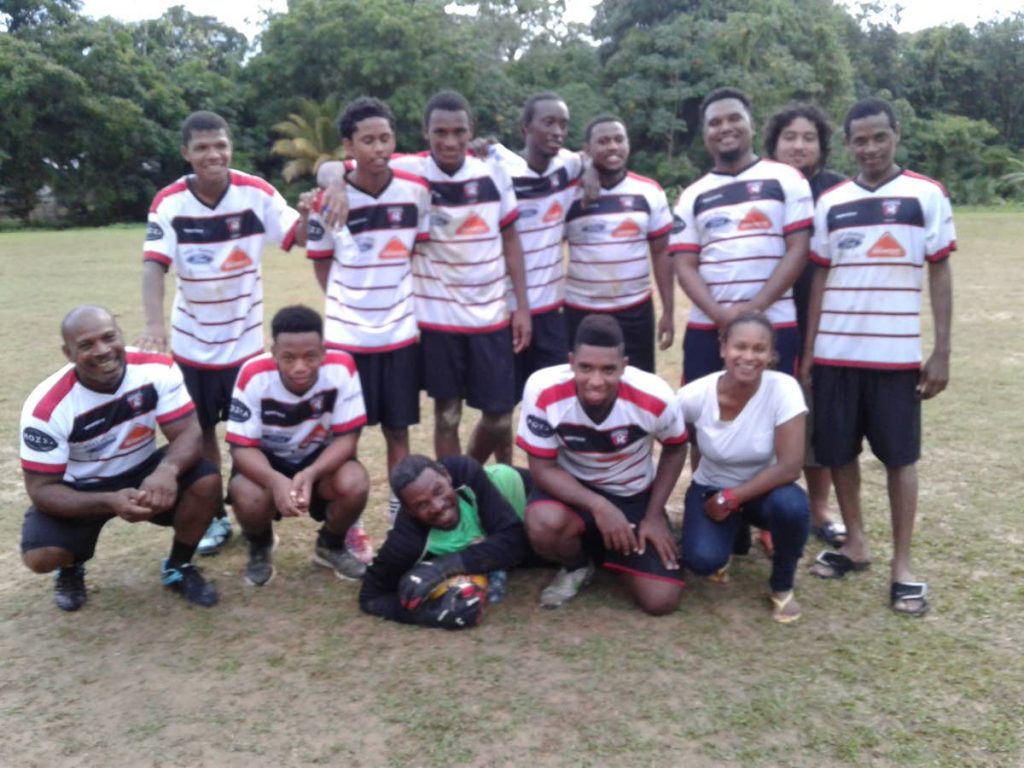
{"x":391,"y":386}
{"x":637,"y":328}
{"x":210,"y":389}
{"x":648,"y":565}
{"x":475,"y":367}
{"x":318,"y":504}
{"x":549,"y":346}
{"x":79,"y":536}
{"x":853,"y":403}
{"x":702,"y":352}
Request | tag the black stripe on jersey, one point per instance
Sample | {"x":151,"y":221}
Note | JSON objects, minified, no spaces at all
{"x":376,"y":217}
{"x":217,"y":229}
{"x":876,"y":210}
{"x":533,"y":187}
{"x":481,"y":189}
{"x":278,"y":414}
{"x":608,"y":204}
{"x":106,"y":417}
{"x":739,"y":192}
{"x":584,"y":439}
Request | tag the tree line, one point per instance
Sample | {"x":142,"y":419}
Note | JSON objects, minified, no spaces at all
{"x":92,"y":107}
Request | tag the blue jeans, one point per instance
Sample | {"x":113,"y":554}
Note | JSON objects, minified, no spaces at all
{"x":783,"y":511}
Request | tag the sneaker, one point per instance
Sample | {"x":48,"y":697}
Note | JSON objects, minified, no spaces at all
{"x":357,"y":541}
{"x":497,"y":586}
{"x":394,"y":505}
{"x":216,"y":536}
{"x":346,"y":565}
{"x":69,"y":587}
{"x":260,"y":568}
{"x":188,"y":582}
{"x":565,"y":585}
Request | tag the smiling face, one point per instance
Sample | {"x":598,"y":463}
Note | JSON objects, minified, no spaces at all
{"x":728,"y":133}
{"x":747,"y":351}
{"x":371,"y":145}
{"x":546,"y":131}
{"x":431,"y":500}
{"x":608,"y":147}
{"x":94,"y":344}
{"x":872,"y":143}
{"x":597,"y":372}
{"x":298,"y":357}
{"x":799,"y":146}
{"x":449,"y":133}
{"x":209,"y":154}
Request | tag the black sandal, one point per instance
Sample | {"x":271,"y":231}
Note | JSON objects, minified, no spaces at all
{"x":902,"y":592}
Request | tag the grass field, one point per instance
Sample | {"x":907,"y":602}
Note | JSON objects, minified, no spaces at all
{"x":294,"y":674}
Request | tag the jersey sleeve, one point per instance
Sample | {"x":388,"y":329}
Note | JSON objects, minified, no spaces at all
{"x":509,"y":208}
{"x":161,"y":239}
{"x":789,"y":399}
{"x":44,"y":443}
{"x":660,"y":222}
{"x":319,"y":241}
{"x":535,"y":435}
{"x":423,"y":209}
{"x":820,"y":252}
{"x":684,"y":236}
{"x":349,"y":410}
{"x":670,"y":426}
{"x":245,"y":416}
{"x":573,"y":163}
{"x":799,"y":204}
{"x":940,"y":234}
{"x":173,"y":400}
{"x":280,"y":219}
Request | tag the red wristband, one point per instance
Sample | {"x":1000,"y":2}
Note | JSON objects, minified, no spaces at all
{"x":730,"y":501}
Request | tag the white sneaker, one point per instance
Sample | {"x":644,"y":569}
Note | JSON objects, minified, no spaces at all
{"x":565,"y":585}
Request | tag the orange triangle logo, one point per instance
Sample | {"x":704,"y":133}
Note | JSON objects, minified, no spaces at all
{"x":237,"y":259}
{"x":473,"y":225}
{"x":628,"y":228}
{"x":755,"y":220}
{"x":887,"y":247}
{"x":395,"y":249}
{"x":139,"y":434}
{"x":554,"y":213}
{"x":318,"y":434}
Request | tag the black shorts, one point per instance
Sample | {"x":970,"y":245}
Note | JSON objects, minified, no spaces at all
{"x":702,"y":352}
{"x":318,"y":504}
{"x":549,"y":346}
{"x":475,"y":367}
{"x":648,"y":565}
{"x":79,"y":536}
{"x":391,"y":386}
{"x":210,"y":389}
{"x":853,"y":403}
{"x":637,"y":328}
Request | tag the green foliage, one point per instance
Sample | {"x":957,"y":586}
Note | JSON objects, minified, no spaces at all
{"x":310,"y":139}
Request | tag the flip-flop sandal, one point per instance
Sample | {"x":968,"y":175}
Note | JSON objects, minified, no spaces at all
{"x":902,"y":592}
{"x":832,"y":533}
{"x":779,"y":609}
{"x":837,"y":565}
{"x":721,"y":576}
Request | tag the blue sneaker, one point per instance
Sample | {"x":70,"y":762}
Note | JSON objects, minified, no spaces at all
{"x":188,"y":582}
{"x":216,"y":536}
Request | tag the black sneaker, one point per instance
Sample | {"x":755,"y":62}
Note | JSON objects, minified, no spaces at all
{"x":260,"y":568}
{"x":69,"y":587}
{"x":188,"y":582}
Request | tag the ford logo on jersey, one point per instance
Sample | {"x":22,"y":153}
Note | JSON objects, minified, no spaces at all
{"x":849,"y":241}
{"x":716,"y":221}
{"x":527,"y":212}
{"x":199,"y":257}
{"x":38,"y":440}
{"x":597,"y":226}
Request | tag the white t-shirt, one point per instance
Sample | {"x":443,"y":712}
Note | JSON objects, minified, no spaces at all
{"x":734,"y":451}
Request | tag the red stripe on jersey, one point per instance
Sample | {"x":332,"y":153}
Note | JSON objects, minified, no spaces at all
{"x":609,"y":310}
{"x":684,"y":248}
{"x":818,"y":259}
{"x":348,"y":426}
{"x":172,"y":189}
{"x":181,"y":360}
{"x":371,"y":350}
{"x":944,"y":253}
{"x":341,"y":358}
{"x":311,"y":254}
{"x":677,"y":440}
{"x":398,"y":174}
{"x":289,"y":239}
{"x":423,"y":237}
{"x":167,"y":418}
{"x":136,"y":357}
{"x":548,"y":308}
{"x":638,"y":177}
{"x":867,"y":364}
{"x":659,"y":232}
{"x":245,"y":442}
{"x":245,"y":180}
{"x":463,"y":329}
{"x":543,"y":453}
{"x":260,"y":366}
{"x":511,"y":217}
{"x":318,"y":200}
{"x":159,"y":258}
{"x":43,"y":469}
{"x":45,"y":407}
{"x":796,"y":226}
{"x":556,"y":394}
{"x":913,"y":175}
{"x":649,"y":403}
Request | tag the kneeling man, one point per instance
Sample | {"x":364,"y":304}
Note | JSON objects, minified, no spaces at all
{"x":589,"y":429}
{"x":295,"y":418}
{"x":88,"y":453}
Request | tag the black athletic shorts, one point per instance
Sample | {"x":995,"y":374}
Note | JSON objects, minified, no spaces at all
{"x":391,"y":386}
{"x":549,"y":346}
{"x":648,"y":565}
{"x":702,"y":352}
{"x":79,"y":536}
{"x":210,"y":389}
{"x":853,"y":403}
{"x":318,"y":504}
{"x":475,"y":367}
{"x":637,"y":327}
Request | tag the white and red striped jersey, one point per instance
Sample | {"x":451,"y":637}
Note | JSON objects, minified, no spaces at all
{"x":544,"y":200}
{"x":265,"y":415}
{"x":217,"y":318}
{"x":738,"y":224}
{"x":86,"y":436}
{"x":875,"y":244}
{"x":370,"y":305}
{"x":609,"y":255}
{"x":615,"y":455}
{"x":459,"y":274}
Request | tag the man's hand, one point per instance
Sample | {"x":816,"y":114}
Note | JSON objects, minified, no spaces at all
{"x":719,"y":505}
{"x":334,"y":207}
{"x":160,"y":488}
{"x":726,"y":314}
{"x":153,"y":339}
{"x":590,"y":182}
{"x":305,"y":204}
{"x":130,"y":504}
{"x":286,"y":503}
{"x":654,"y":529}
{"x":934,"y":376}
{"x":421,"y":580}
{"x":301,"y":491}
{"x":522,"y":329}
{"x":804,"y":373}
{"x":666,"y":331}
{"x":452,"y":611}
{"x":480,"y":146}
{"x":616,"y":531}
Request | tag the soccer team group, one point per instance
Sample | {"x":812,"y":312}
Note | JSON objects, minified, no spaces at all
{"x":445,"y":271}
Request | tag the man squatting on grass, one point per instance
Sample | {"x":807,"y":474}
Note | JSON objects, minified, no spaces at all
{"x":88,"y":453}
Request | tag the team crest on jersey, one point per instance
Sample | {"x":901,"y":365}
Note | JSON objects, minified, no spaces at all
{"x":318,"y":435}
{"x":316,"y":405}
{"x":38,"y":440}
{"x":154,"y":231}
{"x":238,"y":411}
{"x":540,"y":427}
{"x":395,"y":249}
{"x":754,"y":188}
{"x":887,"y":247}
{"x":234,"y":224}
{"x":554,"y":213}
{"x":316,"y":230}
{"x":890,"y":208}
{"x":628,"y":228}
{"x":472,"y":191}
{"x":620,"y":437}
{"x":237,"y":259}
{"x":628,"y":202}
{"x":755,"y":220}
{"x":473,"y":225}
{"x":134,"y":400}
{"x":140,"y":434}
{"x":394,"y":215}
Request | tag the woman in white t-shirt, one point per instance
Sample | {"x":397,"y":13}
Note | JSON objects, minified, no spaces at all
{"x":749,"y":426}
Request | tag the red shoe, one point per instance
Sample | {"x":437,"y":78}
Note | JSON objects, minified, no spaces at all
{"x":358,"y":543}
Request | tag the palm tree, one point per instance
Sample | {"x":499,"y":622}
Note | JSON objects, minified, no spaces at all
{"x":310,"y":138}
{"x":1015,"y":177}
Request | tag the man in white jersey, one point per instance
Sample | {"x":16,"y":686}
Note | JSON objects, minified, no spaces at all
{"x":365,"y":270}
{"x":89,"y":455}
{"x":873,"y":237}
{"x":296,"y":413}
{"x":589,"y":429}
{"x":739,"y":238}
{"x":610,"y":242}
{"x":212,"y":226}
